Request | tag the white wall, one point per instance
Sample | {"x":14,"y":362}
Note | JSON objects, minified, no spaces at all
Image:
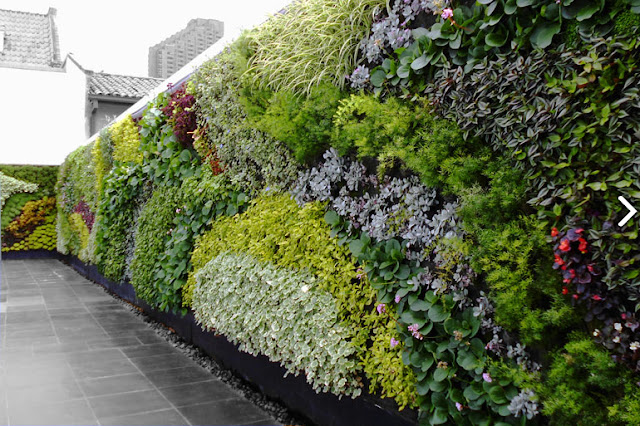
{"x":41,"y":115}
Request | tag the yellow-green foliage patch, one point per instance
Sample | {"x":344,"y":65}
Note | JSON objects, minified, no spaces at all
{"x":275,"y":229}
{"x":126,"y":141}
{"x":43,"y":237}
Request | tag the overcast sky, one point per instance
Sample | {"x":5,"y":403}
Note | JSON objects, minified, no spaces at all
{"x":115,"y":35}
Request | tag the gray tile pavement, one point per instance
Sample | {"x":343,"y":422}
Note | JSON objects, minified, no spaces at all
{"x":71,"y":354}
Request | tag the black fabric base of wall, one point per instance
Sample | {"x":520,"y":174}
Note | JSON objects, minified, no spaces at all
{"x":322,"y":409}
{"x":31,"y":254}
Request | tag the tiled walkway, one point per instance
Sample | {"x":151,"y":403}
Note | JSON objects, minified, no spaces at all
{"x":71,"y":354}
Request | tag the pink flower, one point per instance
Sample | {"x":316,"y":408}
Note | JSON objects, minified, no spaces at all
{"x":447,"y":13}
{"x":596,"y":297}
{"x":393,"y":342}
{"x":397,"y":299}
{"x":381,"y":308}
{"x":414,"y":331}
{"x":459,"y":406}
{"x":487,"y":377}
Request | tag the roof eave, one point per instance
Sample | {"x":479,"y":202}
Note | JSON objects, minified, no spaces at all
{"x":116,"y":99}
{"x":31,"y":67}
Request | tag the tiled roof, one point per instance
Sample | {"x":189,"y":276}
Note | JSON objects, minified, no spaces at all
{"x":124,"y":86}
{"x":30,"y":39}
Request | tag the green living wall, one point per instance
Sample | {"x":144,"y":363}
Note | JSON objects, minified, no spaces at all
{"x":28,"y":208}
{"x":417,"y":199}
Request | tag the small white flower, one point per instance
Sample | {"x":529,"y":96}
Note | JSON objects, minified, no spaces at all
{"x":617,"y":326}
{"x":305,"y":288}
{"x":616,"y":339}
{"x":596,"y":332}
{"x":634,"y":346}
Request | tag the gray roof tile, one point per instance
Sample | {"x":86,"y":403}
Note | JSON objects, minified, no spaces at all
{"x":30,"y":39}
{"x":121,"y":85}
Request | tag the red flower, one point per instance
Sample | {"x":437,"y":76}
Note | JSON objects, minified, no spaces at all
{"x":564,"y":267}
{"x":567,"y":281}
{"x":565,"y":290}
{"x":559,"y":260}
{"x":575,"y":296}
{"x":590,"y":268}
{"x":596,"y":297}
{"x":579,"y":231}
{"x":583,"y":245}
{"x":572,"y":272}
{"x":554,"y":232}
{"x":564,"y":245}
{"x":623,"y":316}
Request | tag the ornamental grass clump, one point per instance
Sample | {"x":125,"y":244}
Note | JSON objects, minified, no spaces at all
{"x":313,"y":41}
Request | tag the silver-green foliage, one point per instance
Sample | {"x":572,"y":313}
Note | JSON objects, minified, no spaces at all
{"x":10,"y":186}
{"x":279,"y":313}
{"x":253,"y":160}
{"x":312,"y":42}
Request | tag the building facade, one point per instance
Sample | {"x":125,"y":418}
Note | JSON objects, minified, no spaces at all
{"x":42,"y":108}
{"x":168,"y":56}
{"x":109,"y":95}
{"x":51,"y":106}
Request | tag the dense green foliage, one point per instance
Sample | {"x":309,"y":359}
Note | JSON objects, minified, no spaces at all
{"x":43,"y":176}
{"x":275,"y":230}
{"x":166,"y":161}
{"x":33,"y":228}
{"x":203,"y":199}
{"x":14,"y":204}
{"x":13,"y":186}
{"x":154,"y":226}
{"x":251,"y":159}
{"x":303,"y":124}
{"x":102,"y":153}
{"x":582,"y":379}
{"x":117,"y":214}
{"x":443,"y":176}
{"x":395,"y":132}
{"x":28,"y":193}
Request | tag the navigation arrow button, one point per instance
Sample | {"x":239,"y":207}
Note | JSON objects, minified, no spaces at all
{"x":632,"y":211}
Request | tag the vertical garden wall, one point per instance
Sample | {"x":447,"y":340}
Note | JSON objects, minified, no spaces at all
{"x":415,"y":199}
{"x":28,"y":209}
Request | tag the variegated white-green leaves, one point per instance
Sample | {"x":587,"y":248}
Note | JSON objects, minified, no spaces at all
{"x":279,"y":313}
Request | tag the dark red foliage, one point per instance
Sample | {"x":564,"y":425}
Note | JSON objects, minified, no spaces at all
{"x":613,"y":325}
{"x":180,"y":111}
{"x":83,"y":210}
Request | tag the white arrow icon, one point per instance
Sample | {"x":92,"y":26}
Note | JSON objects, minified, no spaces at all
{"x":632,"y":211}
